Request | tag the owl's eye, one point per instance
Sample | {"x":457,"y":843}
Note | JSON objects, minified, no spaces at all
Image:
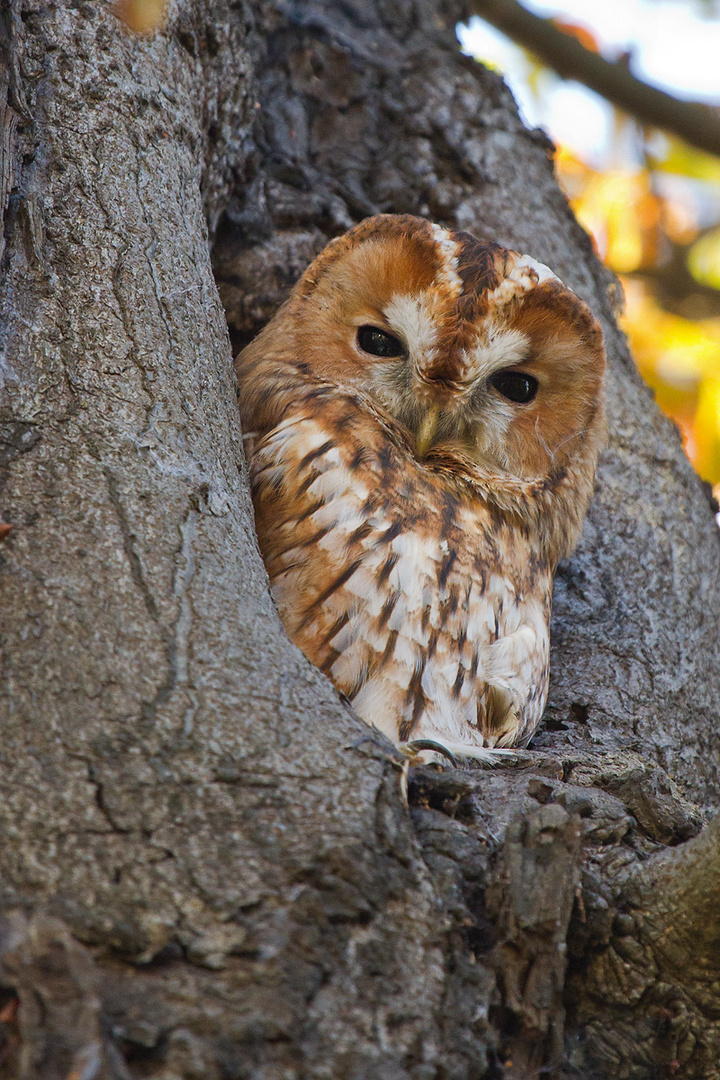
{"x":378,"y":342}
{"x":515,"y":386}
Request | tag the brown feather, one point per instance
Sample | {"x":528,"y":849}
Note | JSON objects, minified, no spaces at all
{"x":419,"y":577}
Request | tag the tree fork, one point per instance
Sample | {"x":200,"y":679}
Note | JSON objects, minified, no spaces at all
{"x":181,"y":791}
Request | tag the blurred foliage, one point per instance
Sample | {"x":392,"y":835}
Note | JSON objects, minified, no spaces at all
{"x":654,"y":216}
{"x":657,"y":225}
{"x":143,"y":17}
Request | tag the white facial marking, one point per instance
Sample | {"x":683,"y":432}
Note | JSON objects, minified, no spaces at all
{"x":503,"y":348}
{"x":524,"y":276}
{"x":543,"y":272}
{"x":448,"y":249}
{"x":409,"y":317}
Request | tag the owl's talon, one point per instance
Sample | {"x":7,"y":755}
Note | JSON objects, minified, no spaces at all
{"x":413,"y":747}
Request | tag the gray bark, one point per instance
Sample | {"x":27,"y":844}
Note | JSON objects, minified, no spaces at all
{"x":210,"y":868}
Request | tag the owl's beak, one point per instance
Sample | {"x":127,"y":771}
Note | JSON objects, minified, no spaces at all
{"x":426,"y":431}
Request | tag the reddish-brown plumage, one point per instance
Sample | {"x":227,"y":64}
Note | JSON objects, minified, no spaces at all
{"x":409,"y":513}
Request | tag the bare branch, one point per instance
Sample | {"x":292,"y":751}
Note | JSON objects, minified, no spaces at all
{"x":691,"y":121}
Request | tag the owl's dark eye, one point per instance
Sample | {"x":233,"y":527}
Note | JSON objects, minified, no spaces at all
{"x":515,"y":386}
{"x":378,"y":342}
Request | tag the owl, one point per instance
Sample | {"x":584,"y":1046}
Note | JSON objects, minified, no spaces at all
{"x":423,"y":418}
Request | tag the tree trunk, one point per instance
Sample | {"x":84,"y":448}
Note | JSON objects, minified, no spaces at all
{"x":210,"y":869}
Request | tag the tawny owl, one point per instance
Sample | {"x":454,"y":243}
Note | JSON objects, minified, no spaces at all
{"x":423,"y":417}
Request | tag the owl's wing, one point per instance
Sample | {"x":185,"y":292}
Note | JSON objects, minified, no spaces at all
{"x":515,"y":669}
{"x":396,"y":595}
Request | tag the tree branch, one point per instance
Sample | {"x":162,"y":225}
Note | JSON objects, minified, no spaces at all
{"x":691,"y":121}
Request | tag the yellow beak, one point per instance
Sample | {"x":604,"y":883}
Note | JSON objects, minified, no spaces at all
{"x":426,"y":432}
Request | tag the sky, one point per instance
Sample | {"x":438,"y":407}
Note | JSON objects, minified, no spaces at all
{"x":672,"y":45}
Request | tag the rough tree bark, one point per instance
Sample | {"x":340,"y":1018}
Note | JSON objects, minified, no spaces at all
{"x":210,"y":868}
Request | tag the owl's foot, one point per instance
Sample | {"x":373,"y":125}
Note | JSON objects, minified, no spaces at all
{"x":460,"y":755}
{"x":417,"y":750}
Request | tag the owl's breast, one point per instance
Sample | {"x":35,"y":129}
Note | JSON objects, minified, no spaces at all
{"x":427,"y":612}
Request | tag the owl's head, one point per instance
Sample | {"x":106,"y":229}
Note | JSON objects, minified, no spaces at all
{"x":469,"y":345}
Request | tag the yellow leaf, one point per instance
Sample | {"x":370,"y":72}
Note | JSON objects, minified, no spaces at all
{"x":142,"y":16}
{"x":706,"y":431}
{"x":686,"y":161}
{"x":704,"y":259}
